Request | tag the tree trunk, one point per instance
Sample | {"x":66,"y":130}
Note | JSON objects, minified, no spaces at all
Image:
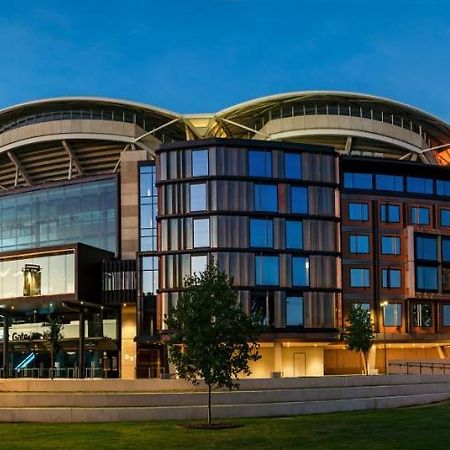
{"x":52,"y":363}
{"x":366,"y":363}
{"x":209,"y":405}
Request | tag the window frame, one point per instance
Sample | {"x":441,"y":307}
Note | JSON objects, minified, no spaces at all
{"x":362,"y":285}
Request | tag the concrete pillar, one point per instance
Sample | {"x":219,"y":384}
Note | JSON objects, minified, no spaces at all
{"x":81,"y":344}
{"x":278,"y":358}
{"x":6,"y":346}
{"x":128,"y":343}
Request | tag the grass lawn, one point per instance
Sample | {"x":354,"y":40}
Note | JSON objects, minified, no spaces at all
{"x":410,"y":428}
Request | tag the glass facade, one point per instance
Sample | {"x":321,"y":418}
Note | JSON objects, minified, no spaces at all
{"x":78,"y":212}
{"x":198,"y":197}
{"x":40,"y":275}
{"x":148,"y":207}
{"x":293,"y":166}
{"x":201,"y":233}
{"x":358,"y":211}
{"x":419,"y":185}
{"x":426,"y":278}
{"x":261,"y":233}
{"x":294,"y":311}
{"x":294,"y":234}
{"x":299,"y":200}
{"x":389,"y":183}
{"x":443,"y":188}
{"x":358,"y":180}
{"x":265,"y":197}
{"x":426,"y":248}
{"x":300,"y":271}
{"x":260,"y":163}
{"x":266,"y":270}
{"x":149,"y":267}
{"x":200,"y":166}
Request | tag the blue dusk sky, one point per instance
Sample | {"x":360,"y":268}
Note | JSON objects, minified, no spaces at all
{"x":204,"y":55}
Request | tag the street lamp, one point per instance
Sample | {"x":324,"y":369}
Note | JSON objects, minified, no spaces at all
{"x":383,"y":305}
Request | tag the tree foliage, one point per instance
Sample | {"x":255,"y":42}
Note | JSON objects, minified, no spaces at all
{"x":212,"y":339}
{"x":52,"y":338}
{"x":358,"y":333}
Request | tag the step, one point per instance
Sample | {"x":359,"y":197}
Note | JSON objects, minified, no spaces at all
{"x":115,"y":414}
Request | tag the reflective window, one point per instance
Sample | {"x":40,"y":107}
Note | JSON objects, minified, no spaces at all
{"x":359,"y":277}
{"x":294,"y":311}
{"x":148,"y":207}
{"x":422,"y":315}
{"x":390,"y":245}
{"x":261,"y":233}
{"x":262,"y":306}
{"x":198,"y":263}
{"x":446,"y":315}
{"x":419,"y":185}
{"x":260,"y":163}
{"x":445,"y":217}
{"x":358,"y":243}
{"x":446,"y":249}
{"x":392,"y":315}
{"x":299,"y":200}
{"x":201,"y":233}
{"x":390,"y":213}
{"x":77,"y":212}
{"x":266,"y":270}
{"x":391,"y":278}
{"x":40,"y":275}
{"x":293,"y":166}
{"x":420,"y":215}
{"x":358,"y":211}
{"x":294,"y":234}
{"x":389,"y":183}
{"x":200,"y":163}
{"x":265,"y":197}
{"x":300,"y":271}
{"x":443,"y":188}
{"x":198,"y":196}
{"x":426,"y":278}
{"x":358,"y":180}
{"x":149,"y":274}
{"x":426,"y":248}
{"x":446,"y":279}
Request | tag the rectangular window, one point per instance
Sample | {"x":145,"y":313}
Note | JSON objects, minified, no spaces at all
{"x":389,"y":183}
{"x":445,"y":249}
{"x":446,"y":279}
{"x":294,"y":234}
{"x":391,"y":278}
{"x":200,"y":166}
{"x":300,"y":271}
{"x":293,"y":166}
{"x":201,"y":233}
{"x":265,"y":197}
{"x":426,"y":248}
{"x":445,"y":217}
{"x":390,"y":213}
{"x":359,"y":278}
{"x":426,"y":278}
{"x":420,"y":215}
{"x":390,"y":245}
{"x":358,"y":243}
{"x":149,"y":275}
{"x":198,"y":197}
{"x":198,"y":263}
{"x":358,"y":180}
{"x":294,"y":311}
{"x":259,"y":163}
{"x":358,"y":211}
{"x":363,"y":306}
{"x":266,"y":270}
{"x":299,"y":200}
{"x":392,"y":315}
{"x":422,"y":315}
{"x":443,"y":188}
{"x":419,"y":185}
{"x":262,"y":306}
{"x":261,"y":233}
{"x":446,"y":315}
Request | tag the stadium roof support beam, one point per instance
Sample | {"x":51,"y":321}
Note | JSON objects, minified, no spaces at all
{"x":19,"y":167}
{"x":149,"y":133}
{"x":251,"y":130}
{"x":73,"y":159}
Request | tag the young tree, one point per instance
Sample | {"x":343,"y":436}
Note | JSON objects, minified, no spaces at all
{"x":52,"y":338}
{"x":358,"y":333}
{"x":211,"y":337}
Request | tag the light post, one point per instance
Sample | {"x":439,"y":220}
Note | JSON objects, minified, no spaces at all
{"x":383,"y":305}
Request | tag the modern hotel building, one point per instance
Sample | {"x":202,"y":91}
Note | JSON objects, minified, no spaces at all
{"x":312,"y":201}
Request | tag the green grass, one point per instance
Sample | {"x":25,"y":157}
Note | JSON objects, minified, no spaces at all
{"x":410,"y":428}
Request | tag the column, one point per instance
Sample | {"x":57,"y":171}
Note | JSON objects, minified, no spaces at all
{"x":5,"y":346}
{"x":81,"y":344}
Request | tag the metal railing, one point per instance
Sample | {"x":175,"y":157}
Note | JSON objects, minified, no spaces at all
{"x":444,"y":367}
{"x":64,"y":373}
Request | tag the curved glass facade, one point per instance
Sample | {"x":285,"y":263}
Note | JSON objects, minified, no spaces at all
{"x":77,"y":212}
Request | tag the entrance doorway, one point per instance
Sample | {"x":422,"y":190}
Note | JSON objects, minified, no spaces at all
{"x":299,"y":364}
